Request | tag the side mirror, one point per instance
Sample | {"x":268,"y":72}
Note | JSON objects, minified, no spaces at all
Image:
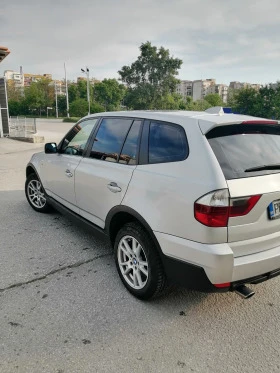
{"x":50,"y":148}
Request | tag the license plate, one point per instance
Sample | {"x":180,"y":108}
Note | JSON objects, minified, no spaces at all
{"x":274,"y":210}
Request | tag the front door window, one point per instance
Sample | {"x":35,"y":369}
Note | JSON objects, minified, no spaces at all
{"x":76,"y":140}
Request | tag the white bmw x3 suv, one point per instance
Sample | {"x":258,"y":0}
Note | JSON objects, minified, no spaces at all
{"x":191,"y":197}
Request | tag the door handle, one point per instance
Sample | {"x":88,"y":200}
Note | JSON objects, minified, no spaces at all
{"x":68,"y":173}
{"x":113,"y":187}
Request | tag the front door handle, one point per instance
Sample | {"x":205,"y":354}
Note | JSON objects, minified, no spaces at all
{"x":68,"y":173}
{"x":113,"y":187}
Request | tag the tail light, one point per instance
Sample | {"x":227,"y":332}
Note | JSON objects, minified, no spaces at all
{"x":260,"y":122}
{"x":215,"y":208}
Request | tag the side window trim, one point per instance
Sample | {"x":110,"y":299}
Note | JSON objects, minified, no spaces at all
{"x":138,"y":140}
{"x":144,"y":143}
{"x":91,"y":137}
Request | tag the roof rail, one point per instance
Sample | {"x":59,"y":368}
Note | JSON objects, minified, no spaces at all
{"x":215,"y":110}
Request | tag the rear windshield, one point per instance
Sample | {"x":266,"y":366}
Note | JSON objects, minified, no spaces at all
{"x":242,"y":147}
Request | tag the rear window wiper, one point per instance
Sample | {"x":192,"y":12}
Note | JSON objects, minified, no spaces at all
{"x":275,"y":166}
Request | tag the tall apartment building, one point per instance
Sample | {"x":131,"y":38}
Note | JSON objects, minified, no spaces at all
{"x":60,"y":86}
{"x":91,"y":80}
{"x":222,"y":90}
{"x":239,"y":85}
{"x":198,"y":89}
{"x":185,"y":88}
{"x":24,"y":80}
{"x":13,"y":76}
{"x":274,"y":85}
{"x":201,"y":88}
{"x":29,"y":78}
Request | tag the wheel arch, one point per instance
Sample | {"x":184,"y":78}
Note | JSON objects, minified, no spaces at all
{"x":120,"y":215}
{"x":30,"y":169}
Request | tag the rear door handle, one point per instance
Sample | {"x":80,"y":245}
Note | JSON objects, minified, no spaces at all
{"x":68,"y":173}
{"x":113,"y":187}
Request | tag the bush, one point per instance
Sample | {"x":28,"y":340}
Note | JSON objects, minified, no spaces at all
{"x":71,"y":120}
{"x":79,"y":108}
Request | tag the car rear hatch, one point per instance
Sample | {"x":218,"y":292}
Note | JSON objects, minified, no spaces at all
{"x":249,"y":155}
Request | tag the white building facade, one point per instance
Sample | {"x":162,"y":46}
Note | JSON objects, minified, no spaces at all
{"x":201,"y":88}
{"x":222,"y":90}
{"x":185,"y":88}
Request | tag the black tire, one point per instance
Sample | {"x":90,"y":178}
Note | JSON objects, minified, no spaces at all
{"x":156,"y":279}
{"x":43,"y":206}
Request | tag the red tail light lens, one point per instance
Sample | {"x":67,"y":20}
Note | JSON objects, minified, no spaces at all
{"x":211,"y":216}
{"x":214,"y":209}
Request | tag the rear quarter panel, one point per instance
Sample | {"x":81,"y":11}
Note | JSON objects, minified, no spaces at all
{"x":164,"y":193}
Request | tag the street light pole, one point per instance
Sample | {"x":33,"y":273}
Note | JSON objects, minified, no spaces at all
{"x":66,"y":89}
{"x":88,"y":92}
{"x":56,"y":107}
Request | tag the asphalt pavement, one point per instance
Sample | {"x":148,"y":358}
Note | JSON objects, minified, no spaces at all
{"x":63,"y":308}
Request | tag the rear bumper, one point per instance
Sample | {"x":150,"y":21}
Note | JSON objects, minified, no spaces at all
{"x":256,"y":280}
{"x":195,"y":278}
{"x":201,"y":266}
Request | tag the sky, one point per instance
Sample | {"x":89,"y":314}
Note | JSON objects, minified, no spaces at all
{"x":223,"y":39}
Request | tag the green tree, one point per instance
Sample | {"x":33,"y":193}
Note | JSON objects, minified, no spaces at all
{"x":95,"y":107}
{"x":270,"y":102}
{"x":150,"y":78}
{"x":214,"y":99}
{"x":34,"y":98}
{"x":73,"y":92}
{"x":61,"y":105}
{"x":38,"y":96}
{"x":200,"y":105}
{"x":78,"y":108}
{"x":82,"y":89}
{"x":15,"y":108}
{"x":246,"y":101}
{"x":109,"y":93}
{"x":14,"y":92}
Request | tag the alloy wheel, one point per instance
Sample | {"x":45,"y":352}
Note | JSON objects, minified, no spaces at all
{"x":36,"y":194}
{"x":133,"y":262}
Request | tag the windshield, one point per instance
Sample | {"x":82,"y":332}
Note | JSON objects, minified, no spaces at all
{"x":243,"y":147}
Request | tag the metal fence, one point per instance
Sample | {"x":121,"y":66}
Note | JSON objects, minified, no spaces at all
{"x":22,"y":127}
{"x":4,"y":114}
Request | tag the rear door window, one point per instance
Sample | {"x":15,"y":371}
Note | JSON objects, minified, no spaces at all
{"x":246,"y":150}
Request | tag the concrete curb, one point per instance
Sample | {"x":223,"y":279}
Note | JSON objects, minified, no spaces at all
{"x":32,"y":139}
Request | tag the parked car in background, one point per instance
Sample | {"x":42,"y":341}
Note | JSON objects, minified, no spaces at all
{"x":190,"y":197}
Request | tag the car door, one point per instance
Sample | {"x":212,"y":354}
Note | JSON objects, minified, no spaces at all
{"x":103,"y":176}
{"x":59,"y":169}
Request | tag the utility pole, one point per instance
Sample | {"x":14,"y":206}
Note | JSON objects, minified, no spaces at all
{"x":56,"y":107}
{"x":66,"y":88}
{"x":88,"y":92}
